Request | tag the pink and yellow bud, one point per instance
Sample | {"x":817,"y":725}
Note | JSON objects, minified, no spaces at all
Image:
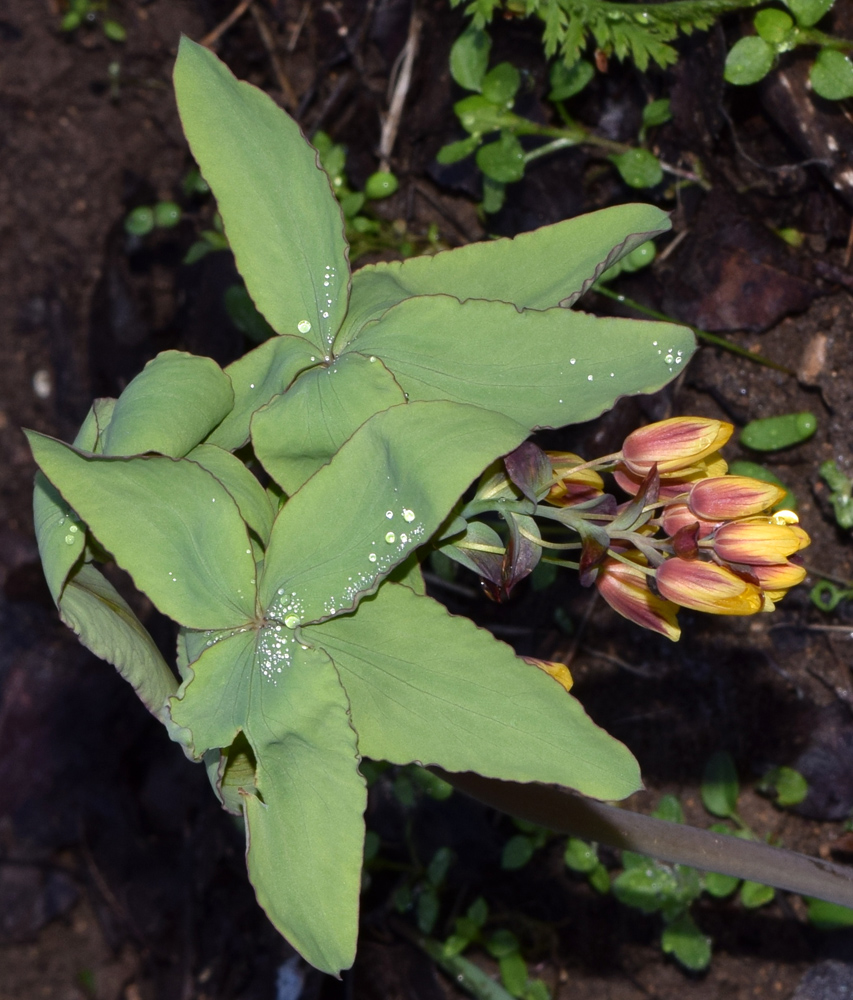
{"x":626,"y":590}
{"x":673,"y":484}
{"x":705,"y":586}
{"x":572,"y":487}
{"x":724,"y":498}
{"x":777,"y":580}
{"x":758,"y":541}
{"x":676,"y":516}
{"x":674,"y":445}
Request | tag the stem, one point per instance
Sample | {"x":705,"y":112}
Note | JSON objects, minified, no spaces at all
{"x":568,"y":812}
{"x":548,"y":545}
{"x":811,"y":36}
{"x":701,"y":334}
{"x":561,"y":562}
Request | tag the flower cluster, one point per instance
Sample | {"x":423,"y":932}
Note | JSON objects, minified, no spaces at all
{"x":691,"y":537}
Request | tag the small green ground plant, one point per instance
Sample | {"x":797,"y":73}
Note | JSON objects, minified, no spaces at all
{"x":494,"y":129}
{"x":89,"y":13}
{"x":644,"y":34}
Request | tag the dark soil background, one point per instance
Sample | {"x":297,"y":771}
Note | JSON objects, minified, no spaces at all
{"x":119,"y":876}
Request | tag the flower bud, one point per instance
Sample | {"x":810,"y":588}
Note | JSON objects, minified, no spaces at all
{"x":673,"y":484}
{"x":676,"y":516}
{"x":705,"y":586}
{"x":758,"y":541}
{"x":674,"y":444}
{"x":724,"y":498}
{"x":777,"y":580}
{"x":626,"y":590}
{"x":572,"y":487}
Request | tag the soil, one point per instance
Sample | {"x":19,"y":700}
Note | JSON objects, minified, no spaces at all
{"x":119,"y":876}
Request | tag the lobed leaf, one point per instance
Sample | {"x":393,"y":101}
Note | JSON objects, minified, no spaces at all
{"x":551,"y":266}
{"x":425,"y":686}
{"x":543,"y":369}
{"x":298,"y":432}
{"x":281,"y":218}
{"x":171,"y":405}
{"x":383,"y":494}
{"x":169,"y":523}
{"x":106,"y":625}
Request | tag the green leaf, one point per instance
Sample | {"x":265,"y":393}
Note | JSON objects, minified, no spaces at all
{"x":647,"y":888}
{"x":453,"y":152}
{"x":832,"y":75}
{"x":305,"y":827}
{"x":657,"y":113}
{"x":171,"y":405}
{"x":548,"y":368}
{"x":566,"y":81}
{"x":754,"y":894}
{"x":773,"y":25}
{"x":683,"y":940}
{"x":750,"y":60}
{"x":169,"y":523}
{"x":478,"y":912}
{"x":669,"y":808}
{"x":281,"y":218}
{"x":334,"y":541}
{"x":298,"y":432}
{"x":580,"y":856}
{"x":106,"y":625}
{"x":719,"y":885}
{"x":552,"y":266}
{"x":113,"y":30}
{"x":599,"y":879}
{"x":494,"y":196}
{"x":787,"y":786}
{"x":502,"y":160}
{"x":501,"y":943}
{"x":828,"y":916}
{"x":469,"y":57}
{"x":513,"y":970}
{"x":720,"y":787}
{"x":500,"y":85}
{"x":428,"y":687}
{"x":426,"y":911}
{"x":251,"y":498}
{"x":638,"y":168}
{"x":517,"y":851}
{"x":60,"y":535}
{"x":808,"y":12}
{"x":265,"y":372}
{"x":478,"y":115}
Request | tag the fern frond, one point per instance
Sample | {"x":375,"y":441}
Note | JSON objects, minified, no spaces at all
{"x":642,"y":31}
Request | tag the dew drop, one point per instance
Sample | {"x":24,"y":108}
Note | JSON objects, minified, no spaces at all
{"x":291,"y":621}
{"x":372,"y":557}
{"x":408,"y":515}
{"x":390,"y":538}
{"x":572,"y":361}
{"x":371,"y":359}
{"x":389,"y":514}
{"x":589,"y":378}
{"x":251,"y":385}
{"x":304,"y":326}
{"x":404,"y":538}
{"x":668,"y":359}
{"x":69,"y":539}
{"x":73,"y":529}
